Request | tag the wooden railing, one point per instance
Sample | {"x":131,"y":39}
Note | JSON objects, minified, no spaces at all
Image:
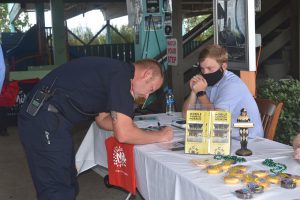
{"x":123,"y":52}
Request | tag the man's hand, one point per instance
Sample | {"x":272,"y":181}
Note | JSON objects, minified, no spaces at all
{"x":104,"y":121}
{"x":167,"y":134}
{"x":126,"y":131}
{"x":198,"y":83}
{"x":296,"y":145}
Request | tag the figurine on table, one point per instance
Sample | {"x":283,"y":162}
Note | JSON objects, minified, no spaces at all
{"x":244,"y":132}
{"x":243,"y":123}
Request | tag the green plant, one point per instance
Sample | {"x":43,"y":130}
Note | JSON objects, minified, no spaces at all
{"x":288,"y":92}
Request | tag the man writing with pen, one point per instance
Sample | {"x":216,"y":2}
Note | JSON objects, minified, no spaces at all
{"x":89,"y":87}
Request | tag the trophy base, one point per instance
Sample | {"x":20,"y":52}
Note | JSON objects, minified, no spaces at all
{"x":243,"y":152}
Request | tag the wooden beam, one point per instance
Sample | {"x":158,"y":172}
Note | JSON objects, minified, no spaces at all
{"x":276,"y":44}
{"x":274,"y":21}
{"x":192,"y":58}
{"x":267,"y":5}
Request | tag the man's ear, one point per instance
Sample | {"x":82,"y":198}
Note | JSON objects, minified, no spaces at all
{"x":147,"y":74}
{"x":224,"y":66}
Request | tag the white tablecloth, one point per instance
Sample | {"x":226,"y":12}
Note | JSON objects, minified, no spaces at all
{"x":169,"y":175}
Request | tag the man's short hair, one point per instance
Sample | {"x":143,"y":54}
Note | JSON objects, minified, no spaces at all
{"x":151,"y":64}
{"x":214,"y":51}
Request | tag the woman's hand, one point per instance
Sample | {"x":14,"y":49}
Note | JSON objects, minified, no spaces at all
{"x":296,"y":145}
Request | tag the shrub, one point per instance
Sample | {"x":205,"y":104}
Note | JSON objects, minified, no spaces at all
{"x":288,"y":92}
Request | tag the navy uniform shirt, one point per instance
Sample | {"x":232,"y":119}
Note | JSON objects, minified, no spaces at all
{"x":90,"y":85}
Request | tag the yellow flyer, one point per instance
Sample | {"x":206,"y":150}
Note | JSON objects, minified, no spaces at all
{"x":207,"y":132}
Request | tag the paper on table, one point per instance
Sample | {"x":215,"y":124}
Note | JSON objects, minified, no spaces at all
{"x":175,"y":145}
{"x":144,"y":121}
{"x":167,"y":119}
{"x":180,"y":123}
{"x":145,"y":124}
{"x":145,"y":118}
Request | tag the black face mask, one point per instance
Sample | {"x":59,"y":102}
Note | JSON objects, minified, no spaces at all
{"x":214,"y":77}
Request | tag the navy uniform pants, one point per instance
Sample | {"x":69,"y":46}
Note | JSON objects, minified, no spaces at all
{"x":48,"y":144}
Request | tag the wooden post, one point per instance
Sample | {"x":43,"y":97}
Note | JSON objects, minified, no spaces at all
{"x":40,"y":21}
{"x":178,"y":71}
{"x":59,"y":32}
{"x":249,"y":79}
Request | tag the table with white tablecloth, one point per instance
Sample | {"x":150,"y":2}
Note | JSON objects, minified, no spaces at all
{"x":165,"y":174}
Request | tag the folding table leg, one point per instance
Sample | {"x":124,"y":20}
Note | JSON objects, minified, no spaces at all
{"x":128,"y":196}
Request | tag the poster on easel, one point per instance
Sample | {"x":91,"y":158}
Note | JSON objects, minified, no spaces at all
{"x":153,"y":23}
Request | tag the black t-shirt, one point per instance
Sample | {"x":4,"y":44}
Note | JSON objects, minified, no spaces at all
{"x":90,"y":85}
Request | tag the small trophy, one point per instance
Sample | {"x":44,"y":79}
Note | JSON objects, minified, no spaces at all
{"x":243,"y":123}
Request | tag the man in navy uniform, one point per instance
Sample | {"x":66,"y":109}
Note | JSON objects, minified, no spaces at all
{"x":74,"y":92}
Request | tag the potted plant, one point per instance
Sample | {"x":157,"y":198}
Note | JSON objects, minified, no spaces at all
{"x":288,"y":92}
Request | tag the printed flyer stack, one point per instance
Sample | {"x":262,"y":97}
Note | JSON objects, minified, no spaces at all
{"x":208,"y":132}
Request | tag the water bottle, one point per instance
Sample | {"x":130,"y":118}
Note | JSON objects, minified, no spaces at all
{"x":170,"y":102}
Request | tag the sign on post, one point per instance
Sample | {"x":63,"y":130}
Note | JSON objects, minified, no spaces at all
{"x":172,"y":52}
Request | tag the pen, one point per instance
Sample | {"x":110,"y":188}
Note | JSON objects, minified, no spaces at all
{"x":144,"y":103}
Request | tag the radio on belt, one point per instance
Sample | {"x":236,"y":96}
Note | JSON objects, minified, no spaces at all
{"x":37,"y":101}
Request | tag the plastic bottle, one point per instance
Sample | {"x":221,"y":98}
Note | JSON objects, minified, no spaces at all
{"x":170,"y":102}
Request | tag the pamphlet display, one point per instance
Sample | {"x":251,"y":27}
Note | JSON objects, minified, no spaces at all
{"x":208,"y":132}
